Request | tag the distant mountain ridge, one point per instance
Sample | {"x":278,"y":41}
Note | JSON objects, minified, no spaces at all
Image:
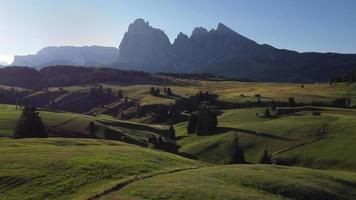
{"x":69,"y":55}
{"x":222,"y":51}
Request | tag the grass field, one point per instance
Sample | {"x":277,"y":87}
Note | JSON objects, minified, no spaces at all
{"x":334,"y":150}
{"x":231,"y":91}
{"x":76,"y":125}
{"x":78,"y":168}
{"x":59,"y":168}
{"x":243,"y":182}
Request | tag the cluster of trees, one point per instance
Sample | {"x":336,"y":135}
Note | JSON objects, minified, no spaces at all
{"x":346,"y":77}
{"x":97,"y":90}
{"x":203,"y":96}
{"x":204,"y":120}
{"x":156,"y":91}
{"x":54,"y":76}
{"x":30,"y":124}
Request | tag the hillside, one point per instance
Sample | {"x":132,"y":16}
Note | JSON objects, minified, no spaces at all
{"x":243,"y":182}
{"x":59,"y":168}
{"x":69,"y":75}
{"x":72,"y":125}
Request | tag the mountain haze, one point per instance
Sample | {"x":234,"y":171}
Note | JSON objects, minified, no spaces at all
{"x":69,"y":55}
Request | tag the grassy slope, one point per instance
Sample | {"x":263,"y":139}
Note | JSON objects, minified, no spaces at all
{"x":231,"y":91}
{"x":75,"y":123}
{"x":244,"y":182}
{"x":58,"y":168}
{"x":335,"y":150}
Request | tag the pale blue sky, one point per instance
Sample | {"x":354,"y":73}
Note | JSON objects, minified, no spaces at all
{"x":303,"y":25}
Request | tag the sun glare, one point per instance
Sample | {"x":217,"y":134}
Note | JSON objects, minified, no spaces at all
{"x":8,"y":59}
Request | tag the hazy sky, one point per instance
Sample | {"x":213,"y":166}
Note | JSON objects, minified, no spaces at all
{"x":303,"y":25}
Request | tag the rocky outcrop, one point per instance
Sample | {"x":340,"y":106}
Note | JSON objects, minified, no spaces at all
{"x":145,"y":48}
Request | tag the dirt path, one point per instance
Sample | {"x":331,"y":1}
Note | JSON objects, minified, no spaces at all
{"x":320,"y":133}
{"x":260,"y":134}
{"x":63,"y":122}
{"x":121,"y":185}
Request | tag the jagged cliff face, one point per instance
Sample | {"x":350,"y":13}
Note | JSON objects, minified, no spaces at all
{"x":207,"y":47}
{"x":68,"y":55}
{"x":147,"y":48}
{"x":144,"y":47}
{"x":222,"y":51}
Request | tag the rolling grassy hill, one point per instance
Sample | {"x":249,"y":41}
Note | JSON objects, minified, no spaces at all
{"x":65,"y":124}
{"x":243,"y":182}
{"x":234,"y":92}
{"x":63,"y":168}
{"x":58,"y":168}
{"x":293,"y":139}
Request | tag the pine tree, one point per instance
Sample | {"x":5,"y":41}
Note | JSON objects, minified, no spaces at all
{"x":126,"y":100}
{"x":169,"y":92}
{"x":191,"y":127}
{"x":30,"y":124}
{"x":152,"y":91}
{"x":291,"y":101}
{"x":172,"y":133}
{"x":265,"y":158}
{"x":120,"y":94}
{"x":92,"y":128}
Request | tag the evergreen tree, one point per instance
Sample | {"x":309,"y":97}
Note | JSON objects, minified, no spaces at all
{"x":266,"y":158}
{"x":191,"y":127}
{"x":30,"y":124}
{"x":152,"y":91}
{"x":169,"y":92}
{"x":157,"y":92}
{"x":165,"y":90}
{"x":258,"y":98}
{"x":109,"y":90}
{"x":291,"y":101}
{"x":120,"y":94}
{"x":92,"y":128}
{"x":126,"y":100}
{"x":138,"y":110}
{"x":172,"y":133}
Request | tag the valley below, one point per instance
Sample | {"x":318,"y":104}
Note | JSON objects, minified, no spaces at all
{"x":168,"y":137}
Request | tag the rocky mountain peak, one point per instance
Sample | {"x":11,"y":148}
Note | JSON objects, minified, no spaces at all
{"x":223,"y":28}
{"x":199,"y":31}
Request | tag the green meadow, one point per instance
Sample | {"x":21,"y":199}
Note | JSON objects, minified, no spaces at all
{"x":315,"y":153}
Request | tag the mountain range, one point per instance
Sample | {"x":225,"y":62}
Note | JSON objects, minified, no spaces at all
{"x":69,"y":55}
{"x":219,"y":51}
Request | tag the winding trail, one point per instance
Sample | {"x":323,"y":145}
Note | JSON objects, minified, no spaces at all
{"x":320,"y":134}
{"x":63,"y":122}
{"x":260,"y":134}
{"x":123,"y":184}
